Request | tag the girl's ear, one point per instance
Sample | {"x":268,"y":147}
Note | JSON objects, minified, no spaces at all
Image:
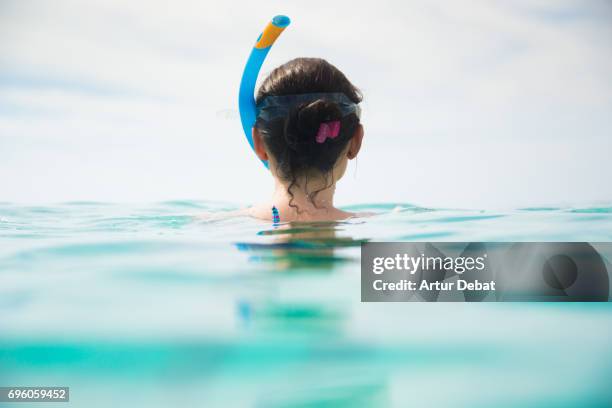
{"x":258,"y":145}
{"x":355,"y":143}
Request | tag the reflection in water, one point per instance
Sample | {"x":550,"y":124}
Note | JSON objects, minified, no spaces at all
{"x":298,"y":246}
{"x":300,"y":249}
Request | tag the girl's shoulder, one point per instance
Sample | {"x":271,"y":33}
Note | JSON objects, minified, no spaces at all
{"x":264,"y":212}
{"x":363,"y":214}
{"x":222,"y":215}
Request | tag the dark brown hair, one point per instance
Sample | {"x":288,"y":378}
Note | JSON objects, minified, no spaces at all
{"x":291,"y":139}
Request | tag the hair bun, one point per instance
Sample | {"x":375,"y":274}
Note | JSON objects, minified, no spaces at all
{"x":310,"y":116}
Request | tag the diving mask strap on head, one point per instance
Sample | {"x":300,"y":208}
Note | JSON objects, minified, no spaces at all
{"x":246,"y":96}
{"x":273,"y":107}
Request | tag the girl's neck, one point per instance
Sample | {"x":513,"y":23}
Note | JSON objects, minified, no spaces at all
{"x":310,"y":206}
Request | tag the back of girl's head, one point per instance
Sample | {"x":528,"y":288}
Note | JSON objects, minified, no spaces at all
{"x":291,"y":139}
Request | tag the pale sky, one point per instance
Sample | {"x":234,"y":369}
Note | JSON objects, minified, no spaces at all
{"x":473,"y":104}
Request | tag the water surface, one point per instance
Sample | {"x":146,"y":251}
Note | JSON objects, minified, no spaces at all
{"x":150,"y":305}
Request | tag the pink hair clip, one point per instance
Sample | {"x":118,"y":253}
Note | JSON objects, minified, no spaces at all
{"x":328,"y":130}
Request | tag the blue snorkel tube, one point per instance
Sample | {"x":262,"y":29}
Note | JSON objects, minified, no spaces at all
{"x":246,"y":96}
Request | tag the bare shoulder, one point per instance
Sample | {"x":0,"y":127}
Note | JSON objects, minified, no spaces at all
{"x":222,"y":215}
{"x":264,"y":212}
{"x":363,"y":214}
{"x":261,"y":211}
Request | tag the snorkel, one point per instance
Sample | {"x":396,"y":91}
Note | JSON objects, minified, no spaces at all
{"x":246,"y":96}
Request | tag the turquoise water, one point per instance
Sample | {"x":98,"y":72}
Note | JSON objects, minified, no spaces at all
{"x":149,"y":305}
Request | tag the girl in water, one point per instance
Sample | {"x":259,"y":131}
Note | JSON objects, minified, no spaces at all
{"x":307,"y":129}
